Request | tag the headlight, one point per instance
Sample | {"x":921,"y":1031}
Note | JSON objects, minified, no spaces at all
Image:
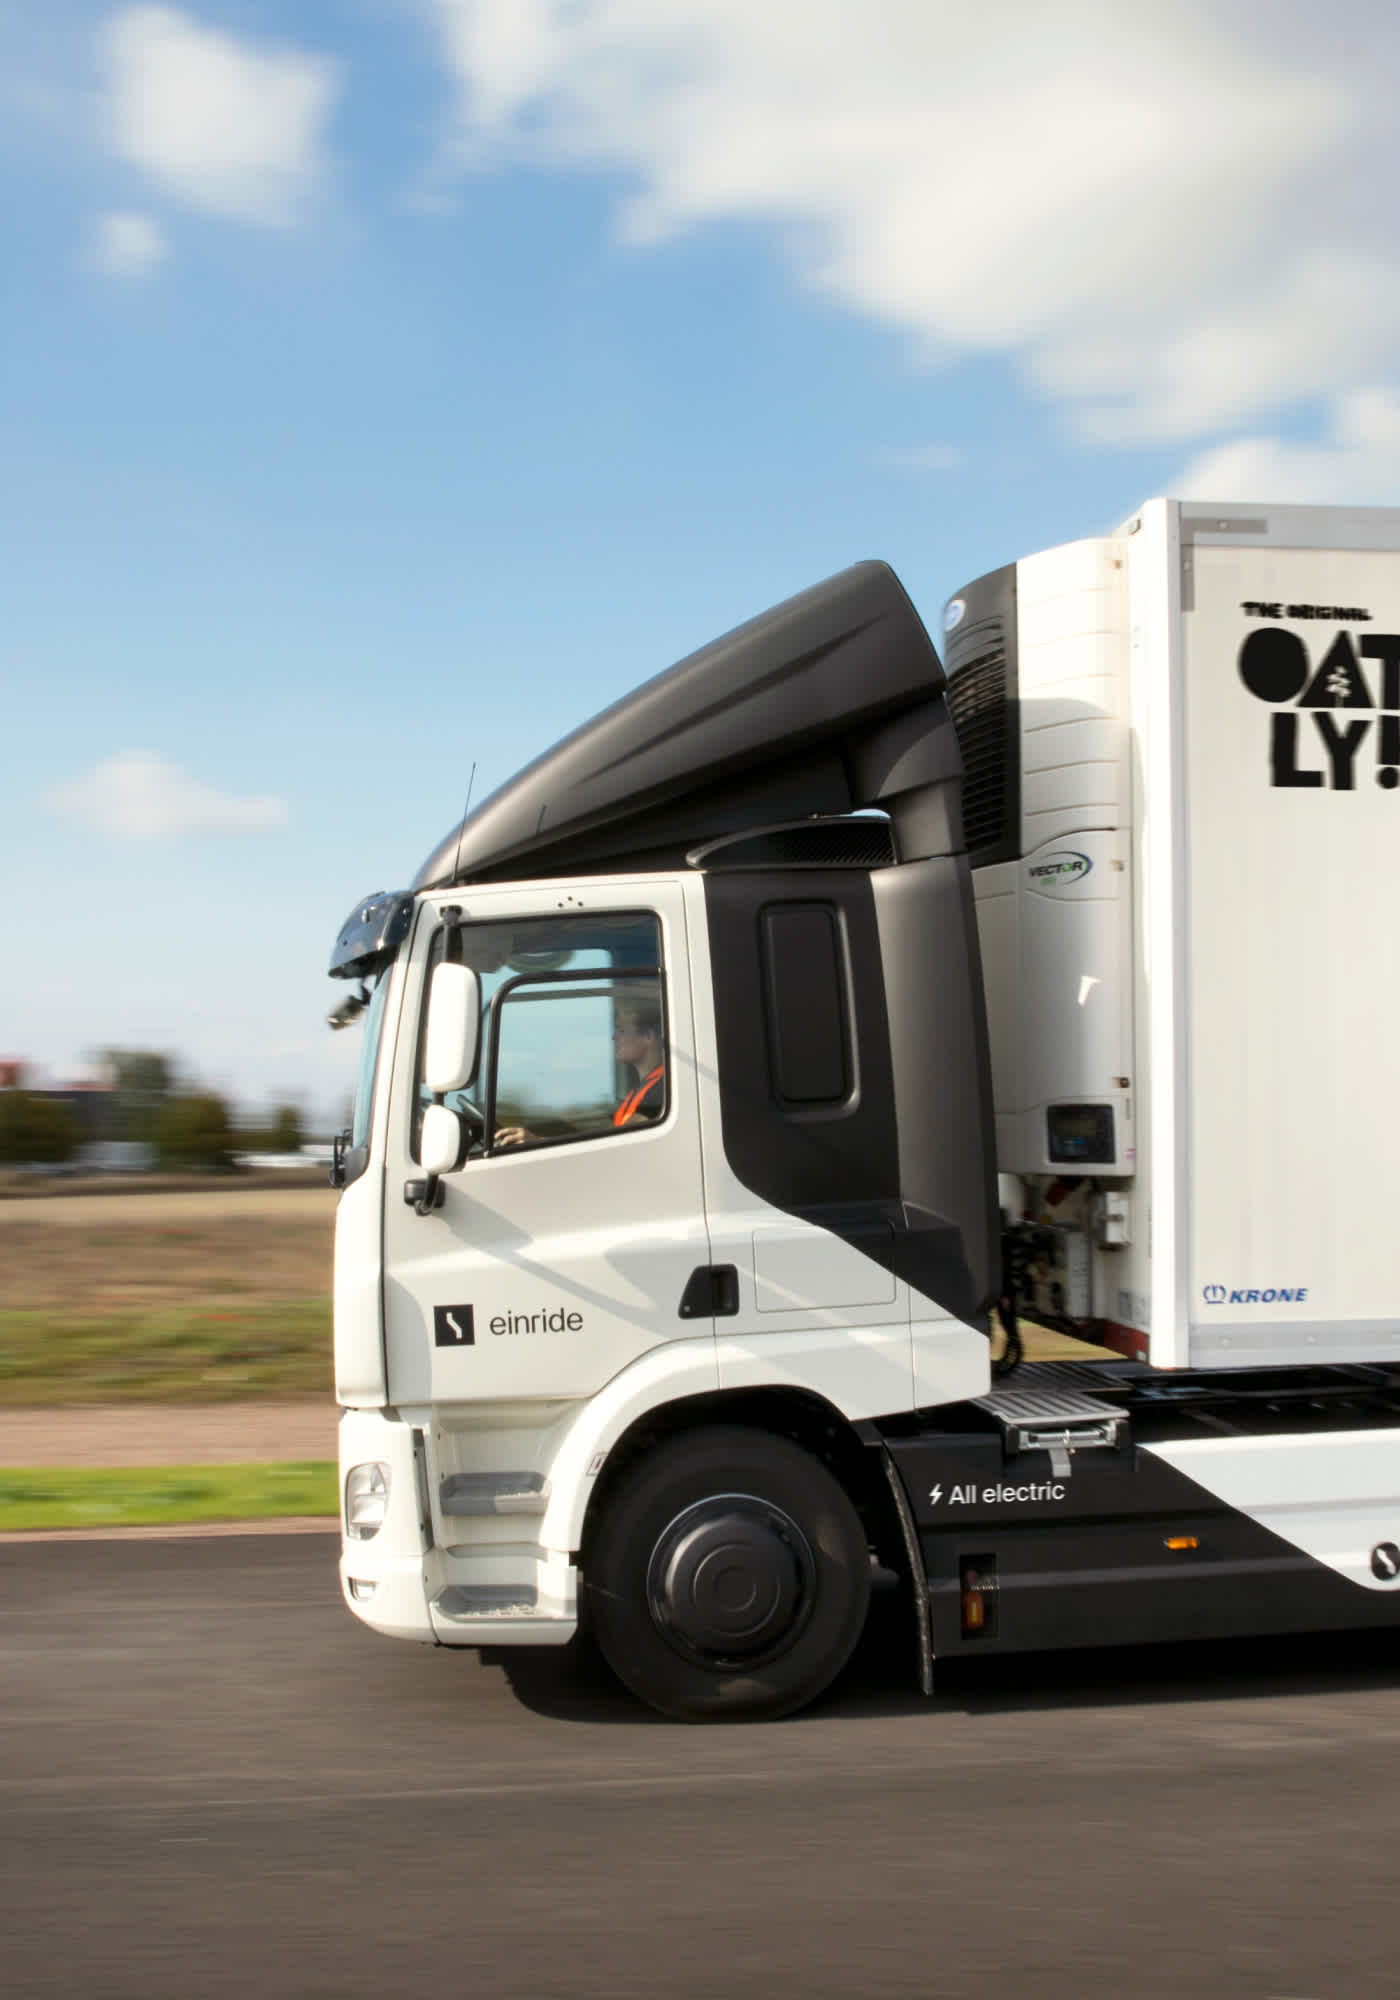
{"x":366,"y":1501}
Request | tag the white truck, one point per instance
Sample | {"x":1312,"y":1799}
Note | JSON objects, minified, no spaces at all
{"x":688,"y":1160}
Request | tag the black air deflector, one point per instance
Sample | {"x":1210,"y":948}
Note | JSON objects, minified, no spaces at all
{"x":807,"y":843}
{"x":827,"y":704}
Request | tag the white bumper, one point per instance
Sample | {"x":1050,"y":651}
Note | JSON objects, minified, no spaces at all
{"x":383,"y":1580}
{"x":399,"y":1583}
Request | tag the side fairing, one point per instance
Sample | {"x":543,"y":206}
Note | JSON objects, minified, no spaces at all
{"x":852,"y":1065}
{"x":847,"y":1131}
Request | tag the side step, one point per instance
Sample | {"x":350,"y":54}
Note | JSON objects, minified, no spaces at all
{"x":1049,"y":1416}
{"x":494,"y":1493}
{"x":488,"y":1600}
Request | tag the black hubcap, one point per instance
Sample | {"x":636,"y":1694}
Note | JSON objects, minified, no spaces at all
{"x":731,"y":1581}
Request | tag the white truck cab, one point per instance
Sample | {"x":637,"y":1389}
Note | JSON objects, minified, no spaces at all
{"x":669,"y":1232}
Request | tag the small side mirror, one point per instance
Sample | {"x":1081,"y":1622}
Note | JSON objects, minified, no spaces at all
{"x":442,"y":1146}
{"x":454,"y":1028}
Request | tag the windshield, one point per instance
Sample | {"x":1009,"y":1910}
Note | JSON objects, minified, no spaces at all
{"x":369,"y":1061}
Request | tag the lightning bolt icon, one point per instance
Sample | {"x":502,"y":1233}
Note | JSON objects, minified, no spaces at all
{"x":935,"y":1496}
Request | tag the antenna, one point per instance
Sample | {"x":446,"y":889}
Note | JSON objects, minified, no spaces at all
{"x":457,"y":860}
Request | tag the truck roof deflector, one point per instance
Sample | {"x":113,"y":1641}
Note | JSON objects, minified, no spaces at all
{"x":826,"y":704}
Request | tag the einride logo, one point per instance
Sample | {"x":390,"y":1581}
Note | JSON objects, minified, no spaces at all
{"x":454,"y":1326}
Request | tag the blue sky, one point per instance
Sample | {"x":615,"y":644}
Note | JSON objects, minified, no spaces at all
{"x":391,"y":384}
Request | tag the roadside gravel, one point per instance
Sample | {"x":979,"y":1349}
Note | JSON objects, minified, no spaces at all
{"x":83,"y":1211}
{"x":169,"y":1434}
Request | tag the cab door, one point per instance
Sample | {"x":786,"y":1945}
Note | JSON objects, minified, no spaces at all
{"x":554,"y":1261}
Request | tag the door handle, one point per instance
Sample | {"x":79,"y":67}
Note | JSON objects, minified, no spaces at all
{"x":711,"y":1292}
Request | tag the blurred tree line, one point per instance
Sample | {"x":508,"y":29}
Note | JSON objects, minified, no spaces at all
{"x":35,"y":1129}
{"x":145,"y":1105}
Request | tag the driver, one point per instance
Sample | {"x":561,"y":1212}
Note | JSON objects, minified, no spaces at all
{"x":637,"y":1040}
{"x":639,"y":1043}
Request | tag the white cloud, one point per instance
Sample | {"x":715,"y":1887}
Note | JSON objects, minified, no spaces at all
{"x":126,"y":245}
{"x":1175,"y":217}
{"x":1358,"y":465}
{"x":143,"y":797}
{"x":218,"y":123}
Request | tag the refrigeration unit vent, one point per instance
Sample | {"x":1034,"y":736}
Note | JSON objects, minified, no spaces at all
{"x":984,"y":717}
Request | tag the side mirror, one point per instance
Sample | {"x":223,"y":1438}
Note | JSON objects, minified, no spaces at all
{"x":454,"y":1031}
{"x":442,"y":1145}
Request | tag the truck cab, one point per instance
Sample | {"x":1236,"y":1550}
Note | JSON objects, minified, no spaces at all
{"x":673,"y":1123}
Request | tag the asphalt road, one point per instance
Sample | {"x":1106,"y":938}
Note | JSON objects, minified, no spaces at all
{"x":214,"y":1782}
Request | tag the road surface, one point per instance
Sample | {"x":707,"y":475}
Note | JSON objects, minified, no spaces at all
{"x":213,"y":1782}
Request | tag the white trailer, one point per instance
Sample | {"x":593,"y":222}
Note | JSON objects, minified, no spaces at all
{"x":683,"y":1347}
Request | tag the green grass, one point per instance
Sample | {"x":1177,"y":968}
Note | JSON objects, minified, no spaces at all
{"x":158,"y":1496}
{"x":174,"y":1354}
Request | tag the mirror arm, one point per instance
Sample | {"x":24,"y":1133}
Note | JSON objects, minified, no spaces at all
{"x":425,"y":1195}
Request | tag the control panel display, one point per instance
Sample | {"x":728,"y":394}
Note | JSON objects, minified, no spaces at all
{"x":1081,"y":1135}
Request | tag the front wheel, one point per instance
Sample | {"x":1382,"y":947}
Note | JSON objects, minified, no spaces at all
{"x":729,"y":1578}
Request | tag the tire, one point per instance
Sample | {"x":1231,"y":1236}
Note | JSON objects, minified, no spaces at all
{"x":729,"y":1577}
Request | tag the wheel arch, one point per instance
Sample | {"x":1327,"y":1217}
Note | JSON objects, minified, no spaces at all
{"x":850,"y":1450}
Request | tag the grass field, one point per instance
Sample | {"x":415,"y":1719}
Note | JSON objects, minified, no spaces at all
{"x":91,"y":1497}
{"x":215,"y":1305}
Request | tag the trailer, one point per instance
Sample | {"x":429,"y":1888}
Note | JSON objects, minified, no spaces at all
{"x":727,"y":1068}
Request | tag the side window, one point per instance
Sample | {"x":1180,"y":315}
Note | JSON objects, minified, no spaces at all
{"x":574,"y":1035}
{"x":577,"y":1060}
{"x":804,"y":996}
